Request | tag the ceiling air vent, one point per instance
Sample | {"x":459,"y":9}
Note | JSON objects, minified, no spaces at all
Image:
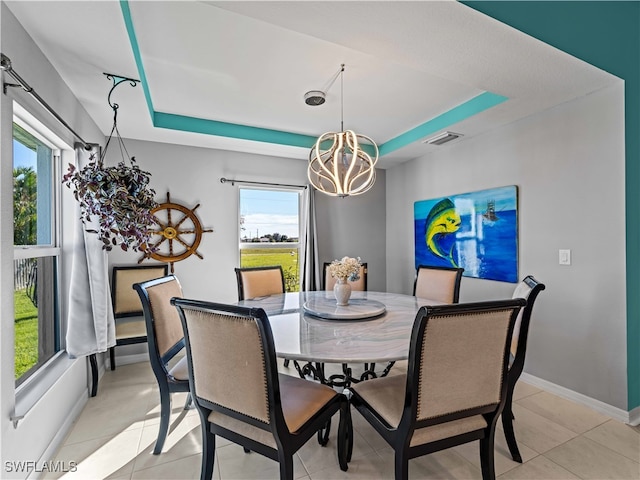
{"x":441,"y":138}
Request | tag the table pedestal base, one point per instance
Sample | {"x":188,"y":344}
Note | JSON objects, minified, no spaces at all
{"x":316,"y":370}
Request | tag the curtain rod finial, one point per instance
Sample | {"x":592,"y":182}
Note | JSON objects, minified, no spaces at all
{"x":86,"y":146}
{"x":5,"y":62}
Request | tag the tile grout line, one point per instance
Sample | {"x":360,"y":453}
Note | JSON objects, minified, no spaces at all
{"x":606,"y":446}
{"x":541,"y":414}
{"x":560,"y":466}
{"x":589,"y":440}
{"x":613,"y":420}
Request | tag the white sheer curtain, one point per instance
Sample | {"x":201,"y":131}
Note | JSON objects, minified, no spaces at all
{"x":309,"y":270}
{"x":90,"y":326}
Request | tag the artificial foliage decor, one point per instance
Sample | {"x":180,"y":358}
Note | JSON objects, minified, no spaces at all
{"x":118,"y":198}
{"x":116,"y":202}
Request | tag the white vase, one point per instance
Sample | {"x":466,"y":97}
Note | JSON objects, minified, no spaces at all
{"x":342,"y":292}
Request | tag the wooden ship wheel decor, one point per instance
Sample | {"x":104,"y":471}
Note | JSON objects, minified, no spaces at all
{"x":179,"y":233}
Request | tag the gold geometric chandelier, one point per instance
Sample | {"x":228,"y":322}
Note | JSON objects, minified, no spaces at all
{"x":344,"y":168}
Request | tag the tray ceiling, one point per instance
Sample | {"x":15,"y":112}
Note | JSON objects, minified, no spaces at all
{"x":232,"y":75}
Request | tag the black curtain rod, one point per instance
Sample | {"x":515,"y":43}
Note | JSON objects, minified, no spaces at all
{"x":5,"y":65}
{"x":248,"y":182}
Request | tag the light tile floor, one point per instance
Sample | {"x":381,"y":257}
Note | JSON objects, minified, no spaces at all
{"x":115,"y":434}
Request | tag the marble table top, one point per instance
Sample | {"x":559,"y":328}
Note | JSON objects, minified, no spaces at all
{"x":301,"y":336}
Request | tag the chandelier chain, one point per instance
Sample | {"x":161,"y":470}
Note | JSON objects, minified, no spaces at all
{"x":342,"y":98}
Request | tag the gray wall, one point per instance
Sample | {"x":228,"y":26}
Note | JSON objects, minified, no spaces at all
{"x":351,"y":226}
{"x":192,"y":175}
{"x":568,"y":163}
{"x":355,"y":227}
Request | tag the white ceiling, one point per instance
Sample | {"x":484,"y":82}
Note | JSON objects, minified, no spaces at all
{"x":250,"y":63}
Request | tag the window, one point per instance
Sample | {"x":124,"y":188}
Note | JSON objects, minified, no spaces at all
{"x":36,"y":250}
{"x":270,"y":231}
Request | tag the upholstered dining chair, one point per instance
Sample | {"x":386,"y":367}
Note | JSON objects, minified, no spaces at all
{"x":359,"y":285}
{"x":166,"y":341}
{"x":127,"y":310}
{"x":455,"y":385}
{"x":259,"y":281}
{"x":438,"y":283}
{"x":528,"y":288}
{"x":241,"y":396}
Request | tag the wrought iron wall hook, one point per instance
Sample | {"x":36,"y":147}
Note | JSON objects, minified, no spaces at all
{"x":117,"y":80}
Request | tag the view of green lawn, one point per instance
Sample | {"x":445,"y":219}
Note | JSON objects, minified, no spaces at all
{"x":26,"y":314}
{"x":26,"y":333}
{"x":262,"y":257}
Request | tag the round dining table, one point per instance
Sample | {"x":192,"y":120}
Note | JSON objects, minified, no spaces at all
{"x":310,"y":327}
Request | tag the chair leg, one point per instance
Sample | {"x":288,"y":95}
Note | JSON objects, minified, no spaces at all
{"x":286,"y":466}
{"x":93,"y":362}
{"x":349,"y":439}
{"x":323,"y":434}
{"x":486,"y":457}
{"x":401,"y":466}
{"x":188,"y":402}
{"x":344,"y":431}
{"x":509,"y":432}
{"x":208,"y":452}
{"x":286,"y":362}
{"x":165,"y":416}
{"x":112,"y":357}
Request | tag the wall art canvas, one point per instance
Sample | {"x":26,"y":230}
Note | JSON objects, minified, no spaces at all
{"x":477,"y":231}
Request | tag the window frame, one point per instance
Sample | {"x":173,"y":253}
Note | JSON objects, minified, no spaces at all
{"x":256,"y":245}
{"x":25,"y":386}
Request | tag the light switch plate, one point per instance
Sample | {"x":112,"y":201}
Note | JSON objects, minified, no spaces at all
{"x":564,"y":257}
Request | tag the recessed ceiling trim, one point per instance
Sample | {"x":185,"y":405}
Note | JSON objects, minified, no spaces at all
{"x":465,"y":110}
{"x":133,"y":40}
{"x":172,"y":121}
{"x":231,"y":130}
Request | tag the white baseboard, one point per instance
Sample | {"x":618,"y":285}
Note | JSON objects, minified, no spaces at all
{"x":128,"y":359}
{"x":65,"y":428}
{"x":634,"y":417}
{"x":600,"y":407}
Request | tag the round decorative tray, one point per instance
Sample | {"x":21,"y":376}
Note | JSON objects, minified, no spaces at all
{"x":357,"y":309}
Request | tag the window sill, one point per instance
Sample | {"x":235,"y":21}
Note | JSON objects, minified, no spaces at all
{"x":29,"y":393}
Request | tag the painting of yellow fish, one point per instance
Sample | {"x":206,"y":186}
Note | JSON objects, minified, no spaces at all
{"x":477,"y":231}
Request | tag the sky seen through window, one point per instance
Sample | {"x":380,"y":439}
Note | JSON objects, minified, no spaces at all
{"x":268,"y":212}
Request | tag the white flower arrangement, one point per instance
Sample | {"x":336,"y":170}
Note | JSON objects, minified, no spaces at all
{"x":346,"y":269}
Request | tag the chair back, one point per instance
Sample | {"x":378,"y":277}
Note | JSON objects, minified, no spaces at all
{"x":359,"y":285}
{"x":528,"y":288}
{"x":231,"y":357}
{"x":164,"y":330}
{"x":438,"y":283}
{"x":458,"y":359}
{"x":259,"y":281}
{"x":126,"y":302}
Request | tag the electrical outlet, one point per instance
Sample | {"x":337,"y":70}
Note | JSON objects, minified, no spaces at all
{"x":564,"y":257}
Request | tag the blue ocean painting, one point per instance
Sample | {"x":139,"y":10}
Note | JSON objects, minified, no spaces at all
{"x":477,"y":231}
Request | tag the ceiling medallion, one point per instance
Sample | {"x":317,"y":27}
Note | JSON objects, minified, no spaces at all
{"x":344,"y":168}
